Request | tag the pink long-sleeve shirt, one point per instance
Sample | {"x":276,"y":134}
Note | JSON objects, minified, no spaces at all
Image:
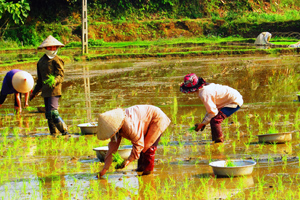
{"x":215,"y":97}
{"x":142,"y":126}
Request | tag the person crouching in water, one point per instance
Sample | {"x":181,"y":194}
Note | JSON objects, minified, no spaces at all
{"x":50,"y":73}
{"x":220,"y":102}
{"x":18,"y":82}
{"x":143,"y":125}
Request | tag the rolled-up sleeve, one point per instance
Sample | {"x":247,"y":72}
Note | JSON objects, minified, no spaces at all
{"x":210,"y":106}
{"x":132,"y":132}
{"x":137,"y":148}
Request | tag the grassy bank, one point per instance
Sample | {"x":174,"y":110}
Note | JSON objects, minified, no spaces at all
{"x":123,"y":21}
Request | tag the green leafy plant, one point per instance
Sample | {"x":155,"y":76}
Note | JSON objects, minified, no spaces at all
{"x":118,"y":159}
{"x":229,"y":163}
{"x":191,"y":129}
{"x":272,"y":130}
{"x":50,"y":81}
{"x":16,"y":12}
{"x":29,"y":108}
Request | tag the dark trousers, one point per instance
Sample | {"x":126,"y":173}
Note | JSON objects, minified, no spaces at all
{"x":51,"y":103}
{"x":215,"y":123}
{"x":55,"y":122}
{"x":146,"y":160}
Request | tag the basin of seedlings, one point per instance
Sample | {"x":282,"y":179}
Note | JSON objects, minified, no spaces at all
{"x":123,"y":151}
{"x":88,"y":128}
{"x":232,"y":167}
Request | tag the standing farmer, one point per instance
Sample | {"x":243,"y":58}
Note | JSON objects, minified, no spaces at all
{"x":18,"y":82}
{"x":143,"y":125}
{"x":220,"y":102}
{"x":50,"y":72}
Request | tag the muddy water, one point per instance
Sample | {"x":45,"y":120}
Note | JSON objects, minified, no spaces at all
{"x":36,"y":166}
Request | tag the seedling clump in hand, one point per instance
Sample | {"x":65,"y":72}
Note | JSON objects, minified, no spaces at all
{"x":192,"y":129}
{"x":50,"y":81}
{"x":117,"y":158}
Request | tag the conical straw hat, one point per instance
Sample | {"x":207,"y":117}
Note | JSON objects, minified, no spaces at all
{"x":109,"y":123}
{"x":50,"y":41}
{"x":22,"y":81}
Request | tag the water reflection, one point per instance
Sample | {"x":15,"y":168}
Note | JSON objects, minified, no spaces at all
{"x":51,"y":181}
{"x":228,"y":187}
{"x":87,"y":92}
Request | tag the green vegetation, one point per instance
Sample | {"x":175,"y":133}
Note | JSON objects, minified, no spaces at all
{"x":126,"y":20}
{"x":118,"y":159}
{"x":191,"y":129}
{"x":230,"y":163}
{"x":50,"y":81}
{"x":272,"y":130}
{"x":65,"y":167}
{"x":30,"y":108}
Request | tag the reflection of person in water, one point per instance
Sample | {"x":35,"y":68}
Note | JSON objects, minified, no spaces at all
{"x":142,"y":125}
{"x":50,"y":181}
{"x":18,"y":82}
{"x":263,"y":38}
{"x":220,"y":102}
{"x":50,"y":72}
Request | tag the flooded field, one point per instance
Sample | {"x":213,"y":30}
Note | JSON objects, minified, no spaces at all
{"x":35,"y":165}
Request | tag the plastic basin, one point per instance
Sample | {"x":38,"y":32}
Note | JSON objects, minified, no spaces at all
{"x":275,"y":137}
{"x":241,"y":167}
{"x":88,"y":128}
{"x":124,"y":152}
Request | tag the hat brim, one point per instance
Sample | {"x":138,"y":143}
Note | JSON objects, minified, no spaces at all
{"x":50,"y":41}
{"x":22,"y":82}
{"x":109,"y":123}
{"x":186,"y":89}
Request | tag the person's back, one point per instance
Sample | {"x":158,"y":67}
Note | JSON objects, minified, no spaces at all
{"x":221,"y":95}
{"x":16,"y":82}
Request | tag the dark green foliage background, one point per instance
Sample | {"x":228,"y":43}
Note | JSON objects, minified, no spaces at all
{"x":62,"y":18}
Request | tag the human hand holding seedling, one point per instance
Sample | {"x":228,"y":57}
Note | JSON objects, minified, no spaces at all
{"x":50,"y":81}
{"x":199,"y":126}
{"x":124,"y":164}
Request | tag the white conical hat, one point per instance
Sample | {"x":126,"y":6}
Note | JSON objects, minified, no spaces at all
{"x":109,"y":123}
{"x":22,"y":82}
{"x":50,"y":41}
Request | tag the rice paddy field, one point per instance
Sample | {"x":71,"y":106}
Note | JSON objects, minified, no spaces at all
{"x":35,"y":165}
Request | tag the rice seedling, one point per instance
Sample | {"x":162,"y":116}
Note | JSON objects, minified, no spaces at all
{"x":118,"y":159}
{"x":50,"y":81}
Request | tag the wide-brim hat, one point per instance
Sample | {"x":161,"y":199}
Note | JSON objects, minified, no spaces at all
{"x":109,"y":123}
{"x":22,"y":82}
{"x":50,"y":41}
{"x":191,"y":83}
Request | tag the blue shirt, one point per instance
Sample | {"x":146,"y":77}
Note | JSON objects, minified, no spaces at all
{"x":7,"y":87}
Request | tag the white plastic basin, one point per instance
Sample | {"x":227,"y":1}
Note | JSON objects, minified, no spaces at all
{"x":241,"y":167}
{"x":124,"y":152}
{"x":88,"y":128}
{"x":275,"y":137}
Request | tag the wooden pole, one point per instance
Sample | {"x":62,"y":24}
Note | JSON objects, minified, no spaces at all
{"x":84,"y":37}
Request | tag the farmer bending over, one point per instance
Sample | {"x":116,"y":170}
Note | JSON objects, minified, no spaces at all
{"x":220,"y":102}
{"x":18,"y":82}
{"x":142,"y":125}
